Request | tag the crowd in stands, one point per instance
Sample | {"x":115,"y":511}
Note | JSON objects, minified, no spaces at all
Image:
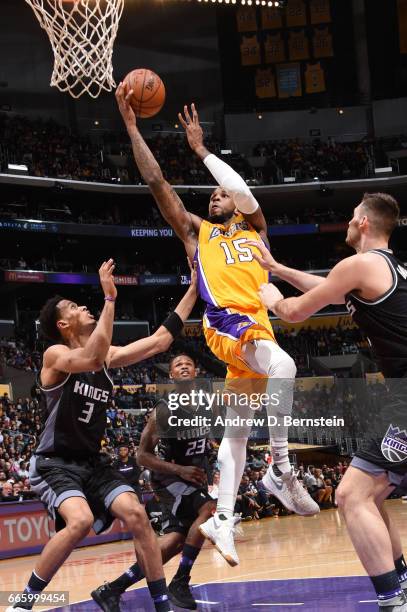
{"x":111,"y":215}
{"x":321,"y":341}
{"x":16,"y":354}
{"x":301,"y":344}
{"x":52,"y":150}
{"x":49,"y":149}
{"x":45,"y":264}
{"x":20,"y":425}
{"x":255,"y":502}
{"x":327,"y":161}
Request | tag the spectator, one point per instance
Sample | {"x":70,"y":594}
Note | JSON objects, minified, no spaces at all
{"x":323,"y":492}
{"x":7,"y":494}
{"x":214,"y":488}
{"x":128,"y":467}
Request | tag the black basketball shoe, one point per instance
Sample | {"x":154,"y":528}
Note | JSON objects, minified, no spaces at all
{"x":180,"y":594}
{"x":107,"y":598}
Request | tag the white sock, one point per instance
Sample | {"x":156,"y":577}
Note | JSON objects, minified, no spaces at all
{"x":232,"y":461}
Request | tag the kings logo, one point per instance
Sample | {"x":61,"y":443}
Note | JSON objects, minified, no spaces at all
{"x":394,"y":444}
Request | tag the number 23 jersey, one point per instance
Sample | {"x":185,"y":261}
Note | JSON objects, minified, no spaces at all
{"x":180,"y":442}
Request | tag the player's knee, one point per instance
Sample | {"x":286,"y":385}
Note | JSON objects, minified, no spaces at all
{"x":230,"y":448}
{"x":79,"y":526}
{"x":346,"y":497}
{"x":284,"y":368}
{"x":136,"y":519}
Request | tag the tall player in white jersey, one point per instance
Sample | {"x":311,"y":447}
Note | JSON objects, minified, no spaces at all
{"x":373,"y":285}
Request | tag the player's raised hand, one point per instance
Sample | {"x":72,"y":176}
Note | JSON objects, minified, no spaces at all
{"x":106,"y":278}
{"x":192,"y":127}
{"x":265,"y":259}
{"x":269,"y":295}
{"x":123,"y":95}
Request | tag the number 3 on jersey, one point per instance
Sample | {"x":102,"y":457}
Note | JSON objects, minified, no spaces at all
{"x":87,"y":414}
{"x":243,"y":253}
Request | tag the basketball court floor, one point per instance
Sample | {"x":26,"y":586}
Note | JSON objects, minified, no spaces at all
{"x":286,"y":563}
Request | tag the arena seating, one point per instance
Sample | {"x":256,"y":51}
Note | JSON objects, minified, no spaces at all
{"x":52,"y":150}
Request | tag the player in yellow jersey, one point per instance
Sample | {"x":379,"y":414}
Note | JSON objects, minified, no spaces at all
{"x":236,"y":324}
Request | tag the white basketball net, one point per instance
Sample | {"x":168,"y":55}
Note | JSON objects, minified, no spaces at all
{"x":82,"y":34}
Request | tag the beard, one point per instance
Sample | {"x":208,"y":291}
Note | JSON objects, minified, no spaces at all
{"x":222,"y":218}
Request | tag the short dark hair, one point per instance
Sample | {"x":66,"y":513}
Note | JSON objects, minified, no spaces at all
{"x":48,"y":319}
{"x":385,"y":211}
{"x":181,"y":354}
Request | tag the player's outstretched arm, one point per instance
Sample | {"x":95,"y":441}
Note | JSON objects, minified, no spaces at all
{"x":345,"y":277}
{"x":161,"y":340}
{"x":148,"y":459}
{"x":223,"y":174}
{"x":90,"y":357}
{"x":301,"y":280}
{"x":185,"y":224}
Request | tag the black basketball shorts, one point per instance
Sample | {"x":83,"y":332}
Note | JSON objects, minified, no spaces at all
{"x":180,"y":504}
{"x":372,"y":460}
{"x":56,"y":479}
{"x":386,"y":450}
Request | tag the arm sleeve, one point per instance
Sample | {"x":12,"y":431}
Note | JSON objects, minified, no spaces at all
{"x":233,"y":183}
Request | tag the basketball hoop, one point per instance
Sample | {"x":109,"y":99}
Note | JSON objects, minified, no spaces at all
{"x":82,"y":34}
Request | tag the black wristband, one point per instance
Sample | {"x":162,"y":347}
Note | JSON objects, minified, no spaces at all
{"x":174,"y":324}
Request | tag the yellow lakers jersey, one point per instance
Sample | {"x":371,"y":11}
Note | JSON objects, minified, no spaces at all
{"x":229,"y":276}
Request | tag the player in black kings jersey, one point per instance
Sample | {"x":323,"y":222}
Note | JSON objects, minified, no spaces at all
{"x":75,"y":482}
{"x":373,"y":285}
{"x":179,"y":478}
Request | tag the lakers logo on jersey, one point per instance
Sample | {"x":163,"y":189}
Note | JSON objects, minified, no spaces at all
{"x":229,"y":275}
{"x":229,"y":282}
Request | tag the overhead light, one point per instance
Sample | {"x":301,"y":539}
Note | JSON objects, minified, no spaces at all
{"x":382,"y":171}
{"x":270,"y":3}
{"x":17,"y":168}
{"x":341,"y":111}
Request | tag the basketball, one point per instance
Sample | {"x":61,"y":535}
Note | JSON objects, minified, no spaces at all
{"x":148,"y":92}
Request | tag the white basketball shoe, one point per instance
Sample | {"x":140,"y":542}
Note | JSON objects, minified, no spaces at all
{"x":287,"y":488}
{"x":221,"y":533}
